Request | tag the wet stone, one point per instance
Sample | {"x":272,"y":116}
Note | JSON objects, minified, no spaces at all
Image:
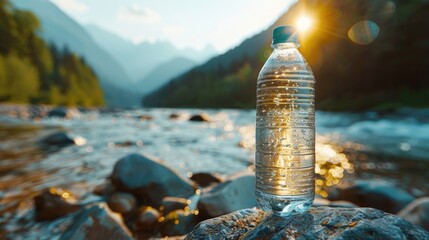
{"x":236,"y":193}
{"x":200,"y":118}
{"x":58,"y":139}
{"x":121,"y":202}
{"x":150,"y":179}
{"x":174,"y":116}
{"x":147,"y":219}
{"x":205,"y":179}
{"x":318,"y":223}
{"x":145,"y":117}
{"x":96,"y":222}
{"x":53,"y":203}
{"x":58,"y":112}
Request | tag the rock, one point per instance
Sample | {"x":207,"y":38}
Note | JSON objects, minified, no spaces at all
{"x":53,"y":204}
{"x":104,"y":189}
{"x":147,"y":219}
{"x":121,"y":202}
{"x":377,"y":194}
{"x":170,"y":204}
{"x":58,"y":112}
{"x":96,"y":222}
{"x":179,"y":222}
{"x":150,"y":179}
{"x":204,"y":179}
{"x":200,"y":118}
{"x":417,"y":212}
{"x":145,"y":117}
{"x":318,"y":223}
{"x":58,"y":139}
{"x":230,"y":226}
{"x":236,"y":193}
{"x":174,"y":116}
{"x":124,"y":144}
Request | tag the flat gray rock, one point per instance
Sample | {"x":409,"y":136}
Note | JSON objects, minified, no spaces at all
{"x":319,"y":223}
{"x":149,"y":177}
{"x":236,"y":193}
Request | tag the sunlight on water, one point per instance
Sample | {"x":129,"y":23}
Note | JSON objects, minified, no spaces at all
{"x":331,"y":165}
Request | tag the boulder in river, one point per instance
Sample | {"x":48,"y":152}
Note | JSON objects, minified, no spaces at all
{"x":147,"y":219}
{"x":53,"y":203}
{"x":150,"y":179}
{"x":236,"y":193}
{"x":376,"y":194}
{"x":318,"y":223}
{"x":121,"y":202}
{"x":96,"y":222}
{"x":145,"y":117}
{"x":417,"y":212}
{"x":58,"y":112}
{"x":174,"y":116}
{"x":200,"y":118}
{"x":57,"y":139}
{"x":205,"y":179}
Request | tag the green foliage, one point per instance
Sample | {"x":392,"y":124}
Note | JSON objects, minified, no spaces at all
{"x":33,"y":72}
{"x":349,"y":76}
{"x":20,"y":80}
{"x":209,"y":90}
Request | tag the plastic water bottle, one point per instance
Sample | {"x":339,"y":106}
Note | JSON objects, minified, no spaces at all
{"x":285,"y":130}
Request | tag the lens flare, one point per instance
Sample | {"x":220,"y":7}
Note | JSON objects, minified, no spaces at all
{"x":304,"y":23}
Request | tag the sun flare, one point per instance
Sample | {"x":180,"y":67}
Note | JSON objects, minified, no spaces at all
{"x":304,"y":23}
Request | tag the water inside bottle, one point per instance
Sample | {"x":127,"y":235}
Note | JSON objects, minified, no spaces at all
{"x":285,"y":138}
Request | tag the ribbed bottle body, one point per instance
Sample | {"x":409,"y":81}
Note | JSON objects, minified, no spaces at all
{"x":285,"y":132}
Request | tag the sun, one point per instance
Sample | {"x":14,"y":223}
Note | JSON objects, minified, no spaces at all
{"x":304,"y":23}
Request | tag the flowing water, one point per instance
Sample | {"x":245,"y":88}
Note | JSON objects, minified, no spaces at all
{"x":349,"y":146}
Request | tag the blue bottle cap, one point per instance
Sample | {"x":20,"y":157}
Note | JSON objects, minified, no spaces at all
{"x":283,"y":34}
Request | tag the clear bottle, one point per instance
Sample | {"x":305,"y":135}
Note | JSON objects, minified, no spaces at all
{"x":285,"y":130}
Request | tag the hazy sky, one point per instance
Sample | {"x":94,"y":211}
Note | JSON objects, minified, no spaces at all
{"x":185,"y":23}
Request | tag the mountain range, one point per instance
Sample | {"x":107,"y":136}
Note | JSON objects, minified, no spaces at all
{"x":141,"y":60}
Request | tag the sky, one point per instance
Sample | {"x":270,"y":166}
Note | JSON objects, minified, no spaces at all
{"x":222,"y":24}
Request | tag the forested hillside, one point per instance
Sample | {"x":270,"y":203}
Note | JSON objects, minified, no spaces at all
{"x":388,"y":73}
{"x":31,"y":71}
